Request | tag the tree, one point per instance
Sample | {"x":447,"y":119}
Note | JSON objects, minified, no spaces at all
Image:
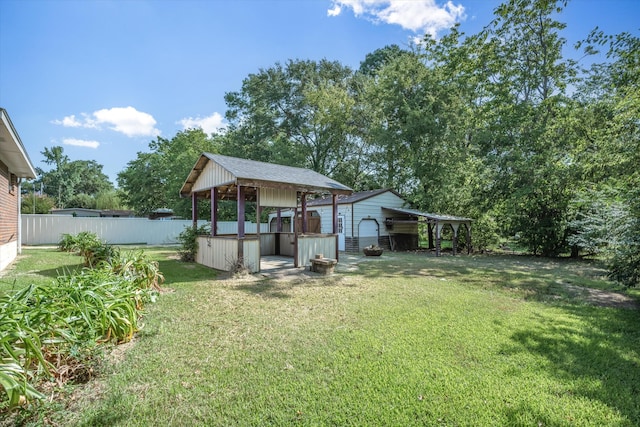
{"x":33,"y":200}
{"x":609,"y":140}
{"x":153,"y":180}
{"x":72,"y":182}
{"x":525,"y":134}
{"x":299,"y":114}
{"x":57,"y":183}
{"x":110,"y":199}
{"x":142,"y":184}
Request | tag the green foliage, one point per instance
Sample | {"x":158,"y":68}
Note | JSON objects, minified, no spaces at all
{"x":100,"y":253}
{"x":36,"y":204}
{"x":109,"y":200}
{"x":300,"y":114}
{"x":189,"y":243}
{"x":82,"y":200}
{"x":485,"y":232}
{"x":69,"y":179}
{"x":138,"y":268}
{"x":608,"y":213}
{"x":153,"y":180}
{"x":81,"y":243}
{"x":53,"y":330}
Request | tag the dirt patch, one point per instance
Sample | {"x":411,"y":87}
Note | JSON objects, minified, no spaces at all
{"x":602,"y":298}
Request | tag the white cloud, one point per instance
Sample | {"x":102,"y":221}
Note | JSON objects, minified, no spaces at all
{"x":335,"y":11}
{"x":419,"y":16}
{"x":68,"y":122}
{"x":209,"y":124}
{"x":126,"y":120}
{"x":80,"y":142}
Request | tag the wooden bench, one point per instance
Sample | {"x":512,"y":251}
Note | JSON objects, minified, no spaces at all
{"x":322,"y":265}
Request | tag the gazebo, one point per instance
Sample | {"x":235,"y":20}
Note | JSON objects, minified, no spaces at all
{"x":217,"y":177}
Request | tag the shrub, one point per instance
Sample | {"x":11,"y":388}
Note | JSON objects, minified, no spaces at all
{"x":67,"y":243}
{"x":189,"y":242}
{"x":138,"y":268}
{"x":80,"y":243}
{"x":54,"y":330}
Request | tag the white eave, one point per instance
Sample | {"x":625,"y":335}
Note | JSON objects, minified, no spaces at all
{"x":12,"y":151}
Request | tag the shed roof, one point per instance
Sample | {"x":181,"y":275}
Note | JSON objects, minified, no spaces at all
{"x":13,"y":153}
{"x":252,"y":173}
{"x":435,"y":217}
{"x":345,"y":199}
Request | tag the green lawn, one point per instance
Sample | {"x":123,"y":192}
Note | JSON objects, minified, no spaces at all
{"x":407,"y":339}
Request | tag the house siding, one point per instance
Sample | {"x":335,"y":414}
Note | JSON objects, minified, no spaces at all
{"x":368,"y":209}
{"x":8,"y":218}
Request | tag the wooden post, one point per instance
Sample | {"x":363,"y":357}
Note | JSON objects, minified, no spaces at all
{"x":335,"y":213}
{"x":303,"y":200}
{"x":438,"y":237}
{"x":214,"y":211}
{"x":241,"y":206}
{"x":468,"y":238}
{"x":454,"y":242}
{"x":335,"y":221}
{"x":279,"y":221}
{"x":430,"y":233}
{"x":194,"y":210}
{"x":257,"y":211}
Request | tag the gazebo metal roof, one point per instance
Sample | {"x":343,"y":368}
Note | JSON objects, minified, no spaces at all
{"x":252,"y":173}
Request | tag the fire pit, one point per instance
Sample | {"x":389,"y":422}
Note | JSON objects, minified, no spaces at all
{"x":372,"y":250}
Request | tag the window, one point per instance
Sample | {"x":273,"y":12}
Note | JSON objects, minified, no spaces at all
{"x":13,"y":183}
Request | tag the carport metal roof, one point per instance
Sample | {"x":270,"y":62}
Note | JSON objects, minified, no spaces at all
{"x":430,"y":216}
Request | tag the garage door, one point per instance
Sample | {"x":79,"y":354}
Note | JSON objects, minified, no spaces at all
{"x":367,"y":233}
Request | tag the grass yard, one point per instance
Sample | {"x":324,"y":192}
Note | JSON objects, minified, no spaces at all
{"x":407,"y":339}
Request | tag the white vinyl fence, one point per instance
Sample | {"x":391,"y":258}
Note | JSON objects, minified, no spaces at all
{"x":48,"y":229}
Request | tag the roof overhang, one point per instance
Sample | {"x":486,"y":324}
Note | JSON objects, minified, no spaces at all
{"x":228,"y":190}
{"x":12,"y":152}
{"x":430,"y":216}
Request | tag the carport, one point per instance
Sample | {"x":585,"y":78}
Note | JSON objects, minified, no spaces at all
{"x":404,"y":222}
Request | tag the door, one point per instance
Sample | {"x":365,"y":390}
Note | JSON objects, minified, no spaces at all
{"x":341,"y":239}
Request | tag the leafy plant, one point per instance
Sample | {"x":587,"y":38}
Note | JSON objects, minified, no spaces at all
{"x":189,"y":242}
{"x":54,"y":330}
{"x":102,"y":252}
{"x":67,"y":242}
{"x":135,"y":266}
{"x":81,"y":243}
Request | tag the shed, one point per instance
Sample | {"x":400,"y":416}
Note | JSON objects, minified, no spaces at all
{"x":379,"y":217}
{"x":217,"y":177}
{"x":360,"y":217}
{"x":15,"y":166}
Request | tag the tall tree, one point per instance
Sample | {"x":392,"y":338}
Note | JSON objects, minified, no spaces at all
{"x":72,"y":182}
{"x":525,"y":139}
{"x":153,"y":180}
{"x":608,"y":209}
{"x":297,"y":114}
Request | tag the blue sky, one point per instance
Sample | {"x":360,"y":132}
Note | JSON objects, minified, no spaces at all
{"x":104,"y":78}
